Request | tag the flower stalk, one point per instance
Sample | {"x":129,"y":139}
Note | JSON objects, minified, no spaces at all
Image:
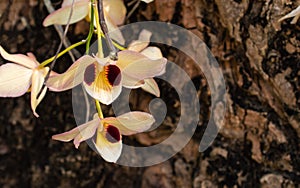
{"x":46,"y":62}
{"x":113,"y":52}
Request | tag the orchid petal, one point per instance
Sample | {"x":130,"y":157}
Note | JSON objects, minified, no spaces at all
{"x":137,"y":46}
{"x":109,"y":143}
{"x":295,"y":19}
{"x":61,"y":16}
{"x":294,"y":13}
{"x":137,"y":66}
{"x":131,"y":82}
{"x":14,"y":80}
{"x":86,"y":133}
{"x":114,"y":31}
{"x":19,"y":59}
{"x":131,"y":122}
{"x":116,"y":10}
{"x":69,"y":2}
{"x":103,"y":85}
{"x":152,"y":52}
{"x":32,"y":57}
{"x":151,"y":87}
{"x":38,"y":78}
{"x":72,"y":77}
{"x":142,"y":42}
{"x":80,"y":133}
{"x":147,"y":1}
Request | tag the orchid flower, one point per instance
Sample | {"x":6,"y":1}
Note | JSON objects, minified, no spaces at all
{"x":109,"y":132}
{"x":294,"y":13}
{"x":114,"y":13}
{"x":17,"y":77}
{"x":141,"y":45}
{"x":103,"y":79}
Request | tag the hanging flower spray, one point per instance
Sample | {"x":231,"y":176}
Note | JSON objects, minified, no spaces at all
{"x":102,"y":77}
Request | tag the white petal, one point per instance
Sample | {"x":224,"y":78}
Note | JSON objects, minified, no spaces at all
{"x":151,"y":87}
{"x":152,"y":53}
{"x":61,"y":16}
{"x":110,"y":151}
{"x":142,"y":42}
{"x":88,"y":132}
{"x":137,"y":66}
{"x":103,"y":95}
{"x":15,"y":80}
{"x":80,"y":133}
{"x":19,"y":59}
{"x":69,"y":2}
{"x":38,"y":78}
{"x":116,"y":10}
{"x":72,"y":77}
{"x":294,"y":13}
{"x":131,"y":122}
{"x":99,"y":85}
{"x":147,"y":1}
{"x":114,"y":31}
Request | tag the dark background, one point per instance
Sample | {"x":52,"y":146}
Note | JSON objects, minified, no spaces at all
{"x":258,"y":145}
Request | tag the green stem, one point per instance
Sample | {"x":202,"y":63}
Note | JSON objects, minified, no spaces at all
{"x":114,"y":43}
{"x":100,"y":52}
{"x":46,"y":62}
{"x":99,"y":110}
{"x":89,"y":37}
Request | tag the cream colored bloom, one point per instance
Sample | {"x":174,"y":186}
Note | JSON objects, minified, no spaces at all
{"x":114,"y":13}
{"x":103,"y":79}
{"x":108,"y":132}
{"x":152,"y":52}
{"x":17,"y":77}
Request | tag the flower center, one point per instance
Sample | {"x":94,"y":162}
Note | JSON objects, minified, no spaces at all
{"x":113,"y":75}
{"x":113,"y":134}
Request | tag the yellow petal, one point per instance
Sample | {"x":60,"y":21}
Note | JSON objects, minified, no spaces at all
{"x":61,"y":16}
{"x":151,"y":87}
{"x":72,"y":77}
{"x":103,"y":85}
{"x":38,"y":78}
{"x":14,"y":80}
{"x":109,"y":143}
{"x":131,"y":122}
{"x":19,"y":59}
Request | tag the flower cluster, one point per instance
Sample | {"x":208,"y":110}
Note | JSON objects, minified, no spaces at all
{"x":102,"y":77}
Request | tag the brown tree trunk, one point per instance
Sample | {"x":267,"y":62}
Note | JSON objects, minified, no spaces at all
{"x":257,"y":146}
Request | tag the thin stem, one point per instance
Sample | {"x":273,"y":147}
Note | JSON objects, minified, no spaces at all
{"x":113,"y":51}
{"x":100,"y":51}
{"x":60,"y":32}
{"x":133,"y":9}
{"x":89,"y":37}
{"x":61,"y":42}
{"x":114,"y":43}
{"x":99,"y":110}
{"x":46,"y":62}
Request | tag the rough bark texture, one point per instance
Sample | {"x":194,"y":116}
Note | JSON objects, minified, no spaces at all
{"x":257,"y":146}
